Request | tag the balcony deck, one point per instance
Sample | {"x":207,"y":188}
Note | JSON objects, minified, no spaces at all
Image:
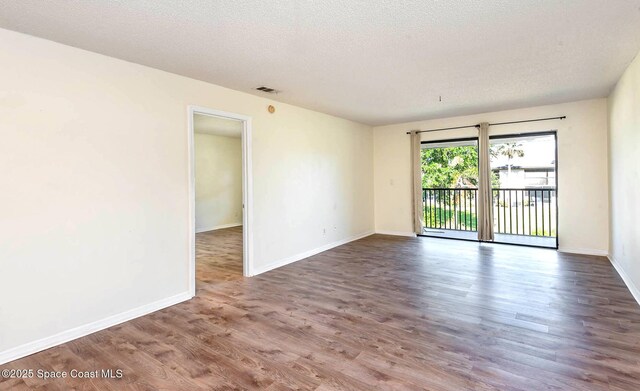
{"x":521,"y":216}
{"x":539,"y":241}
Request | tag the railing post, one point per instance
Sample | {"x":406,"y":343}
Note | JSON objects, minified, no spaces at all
{"x":549,"y":192}
{"x":529,"y":209}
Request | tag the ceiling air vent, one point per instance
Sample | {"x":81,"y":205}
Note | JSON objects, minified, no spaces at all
{"x":268,"y":90}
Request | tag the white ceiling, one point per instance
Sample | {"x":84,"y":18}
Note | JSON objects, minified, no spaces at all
{"x":217,"y":126}
{"x":375,"y":62}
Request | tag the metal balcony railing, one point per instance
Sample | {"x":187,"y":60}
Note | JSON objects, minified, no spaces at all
{"x":516,"y":211}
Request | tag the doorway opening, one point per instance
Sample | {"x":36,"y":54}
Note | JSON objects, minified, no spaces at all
{"x":524,"y":187}
{"x":523,"y":183}
{"x":450,"y":188}
{"x":220,"y":196}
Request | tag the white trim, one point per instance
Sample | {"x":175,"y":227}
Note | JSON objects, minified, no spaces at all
{"x":294,"y":258}
{"x":223,"y":226}
{"x":81,"y":331}
{"x":625,"y":277}
{"x":397,"y":233}
{"x":584,"y":251}
{"x":247,"y":198}
{"x":247,"y":191}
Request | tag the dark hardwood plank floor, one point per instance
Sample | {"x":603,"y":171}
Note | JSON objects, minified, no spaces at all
{"x":379,"y":313}
{"x":218,"y":256}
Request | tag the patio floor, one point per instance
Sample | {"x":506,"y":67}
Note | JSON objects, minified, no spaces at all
{"x":540,"y":241}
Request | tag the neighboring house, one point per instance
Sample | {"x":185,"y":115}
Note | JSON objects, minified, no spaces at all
{"x":525,"y":176}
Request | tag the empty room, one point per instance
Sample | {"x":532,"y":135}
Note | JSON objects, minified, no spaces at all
{"x":353,"y":195}
{"x":218,"y":202}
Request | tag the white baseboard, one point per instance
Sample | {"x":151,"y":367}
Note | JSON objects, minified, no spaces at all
{"x":81,"y":331}
{"x":584,"y":251}
{"x":306,"y":254}
{"x":207,"y":229}
{"x":396,"y":233}
{"x":625,"y":277}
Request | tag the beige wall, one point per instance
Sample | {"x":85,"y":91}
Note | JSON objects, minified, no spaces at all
{"x":95,"y":203}
{"x":582,"y":168}
{"x":218,"y":170}
{"x":624,"y":176}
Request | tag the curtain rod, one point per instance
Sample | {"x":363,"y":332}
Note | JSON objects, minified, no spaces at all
{"x":497,"y":123}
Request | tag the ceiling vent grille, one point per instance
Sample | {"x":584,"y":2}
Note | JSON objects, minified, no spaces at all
{"x":268,"y":90}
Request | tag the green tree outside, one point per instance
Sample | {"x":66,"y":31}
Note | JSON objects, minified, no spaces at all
{"x":450,"y":167}
{"x":456,"y":167}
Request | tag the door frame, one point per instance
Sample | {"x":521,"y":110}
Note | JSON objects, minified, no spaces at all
{"x":247,"y":190}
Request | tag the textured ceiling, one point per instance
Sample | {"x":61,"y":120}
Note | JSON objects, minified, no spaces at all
{"x":375,"y":62}
{"x":217,"y":126}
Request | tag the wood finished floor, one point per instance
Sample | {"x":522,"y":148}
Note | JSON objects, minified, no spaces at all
{"x":379,"y":313}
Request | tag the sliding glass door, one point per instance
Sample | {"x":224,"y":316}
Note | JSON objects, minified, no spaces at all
{"x":523,"y":188}
{"x":523,"y":171}
{"x":450,"y":188}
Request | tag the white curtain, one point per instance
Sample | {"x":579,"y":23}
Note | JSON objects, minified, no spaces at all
{"x":485,"y":198}
{"x":416,"y":170}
